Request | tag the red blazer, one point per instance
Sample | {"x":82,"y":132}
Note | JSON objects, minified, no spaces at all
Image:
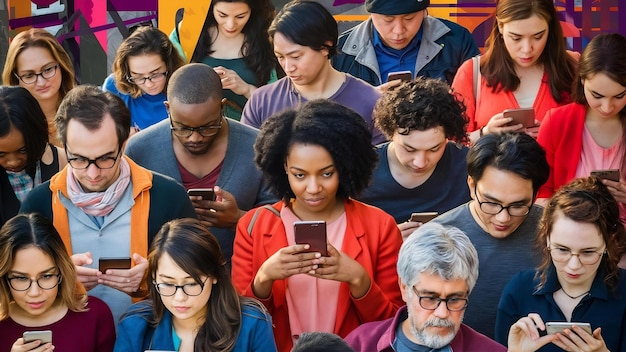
{"x":372,"y":238}
{"x":561,"y":135}
{"x":491,"y":103}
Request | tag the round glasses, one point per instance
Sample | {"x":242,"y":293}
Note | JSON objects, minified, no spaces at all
{"x":31,"y":77}
{"x":587,"y":257}
{"x":167,"y":290}
{"x":454,"y":304}
{"x":45,"y":282}
{"x":492,"y":208}
{"x":205,"y":131}
{"x":155,"y":77}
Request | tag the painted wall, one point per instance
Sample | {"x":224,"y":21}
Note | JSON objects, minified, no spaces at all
{"x":91,"y":30}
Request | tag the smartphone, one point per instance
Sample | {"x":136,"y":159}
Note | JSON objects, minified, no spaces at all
{"x":105,"y":263}
{"x":44,"y":336}
{"x":423,"y":217}
{"x":312,"y":233}
{"x":401,"y":75}
{"x":205,"y":193}
{"x":524,"y":116}
{"x":609,"y":174}
{"x":554,"y":327}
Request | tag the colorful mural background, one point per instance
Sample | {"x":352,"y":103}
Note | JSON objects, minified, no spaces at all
{"x":91,"y":30}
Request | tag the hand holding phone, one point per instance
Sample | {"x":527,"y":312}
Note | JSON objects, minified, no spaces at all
{"x":105,"y":263}
{"x":526,"y":117}
{"x":312,"y":233}
{"x":45,"y":336}
{"x":205,"y":193}
{"x":608,"y":174}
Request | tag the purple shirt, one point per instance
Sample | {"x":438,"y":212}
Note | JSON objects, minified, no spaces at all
{"x":354,"y":93}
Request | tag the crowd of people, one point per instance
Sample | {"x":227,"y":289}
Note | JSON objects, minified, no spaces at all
{"x":278,"y":190}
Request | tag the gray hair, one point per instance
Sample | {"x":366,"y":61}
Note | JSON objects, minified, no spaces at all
{"x":443,"y":251}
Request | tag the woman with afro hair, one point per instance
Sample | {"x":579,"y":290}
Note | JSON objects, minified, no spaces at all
{"x":317,"y":159}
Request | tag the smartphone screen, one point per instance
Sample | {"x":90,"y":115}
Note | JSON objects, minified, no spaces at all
{"x":105,"y":263}
{"x":312,"y":233}
{"x":205,"y":193}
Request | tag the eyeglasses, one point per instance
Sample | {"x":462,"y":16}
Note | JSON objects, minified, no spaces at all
{"x":155,"y":77}
{"x":495,"y":208}
{"x":168,"y":290}
{"x":453,"y":304}
{"x":587,"y":257}
{"x":207,"y":130}
{"x":45,"y":282}
{"x":31,"y":77}
{"x":102,"y":162}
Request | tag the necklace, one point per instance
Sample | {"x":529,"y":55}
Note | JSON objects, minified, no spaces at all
{"x":573,"y":297}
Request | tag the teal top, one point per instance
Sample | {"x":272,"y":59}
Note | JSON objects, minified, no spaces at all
{"x":235,"y":102}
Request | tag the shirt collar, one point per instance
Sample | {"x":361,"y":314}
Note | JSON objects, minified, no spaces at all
{"x":379,"y":45}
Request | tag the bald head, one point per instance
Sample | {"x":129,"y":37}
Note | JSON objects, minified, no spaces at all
{"x":194,"y":84}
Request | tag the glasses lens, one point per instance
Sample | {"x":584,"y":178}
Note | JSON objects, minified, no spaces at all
{"x":105,"y":163}
{"x":29,"y":79}
{"x":48,"y":282}
{"x":19,"y":283}
{"x":430,"y":303}
{"x":490,"y":208}
{"x":518,"y":210}
{"x":79,"y":163}
{"x":192,"y":289}
{"x":49,"y":72}
{"x":182,"y":131}
{"x":456,"y":304}
{"x":158,"y":77}
{"x":165,"y":289}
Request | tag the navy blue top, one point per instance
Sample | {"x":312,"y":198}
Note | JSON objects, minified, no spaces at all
{"x":601,"y":307}
{"x":445,"y":189}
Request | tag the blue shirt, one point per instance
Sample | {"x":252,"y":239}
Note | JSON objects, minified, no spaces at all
{"x":145,"y":110}
{"x":601,"y":307}
{"x":392,"y":60}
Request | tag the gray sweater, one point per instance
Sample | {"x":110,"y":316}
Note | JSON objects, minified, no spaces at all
{"x":152,"y":148}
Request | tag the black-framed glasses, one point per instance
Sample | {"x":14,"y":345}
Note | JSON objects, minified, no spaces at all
{"x":45,"y":282}
{"x":207,"y":130}
{"x":102,"y":162}
{"x":31,"y":77}
{"x":453,"y":304}
{"x":492,"y":208}
{"x":192,"y":289}
{"x":154,"y":78}
{"x":586,"y":257}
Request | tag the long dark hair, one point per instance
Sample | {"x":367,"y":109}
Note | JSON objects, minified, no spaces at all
{"x":256,"y":50}
{"x":196,"y":251}
{"x":499,"y":69}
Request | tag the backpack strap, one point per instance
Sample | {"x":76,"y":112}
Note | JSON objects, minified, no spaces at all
{"x":256,"y":215}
